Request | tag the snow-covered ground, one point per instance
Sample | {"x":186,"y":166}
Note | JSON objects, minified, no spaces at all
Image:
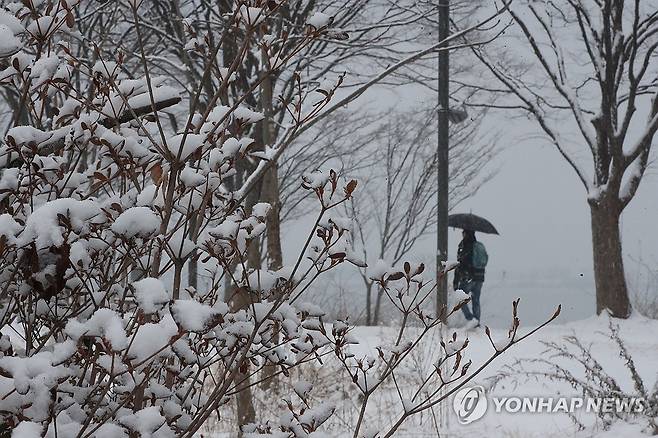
{"x":638,"y":334}
{"x":330,"y":384}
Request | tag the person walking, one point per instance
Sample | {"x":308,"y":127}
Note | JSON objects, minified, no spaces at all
{"x":469,"y":275}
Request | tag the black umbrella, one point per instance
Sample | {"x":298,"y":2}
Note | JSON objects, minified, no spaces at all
{"x":469,"y":221}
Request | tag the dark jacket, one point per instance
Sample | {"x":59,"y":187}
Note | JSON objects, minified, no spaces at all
{"x":466,"y":272}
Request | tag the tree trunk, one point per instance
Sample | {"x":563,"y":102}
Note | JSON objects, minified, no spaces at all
{"x":270,"y":195}
{"x":246,"y":411}
{"x":368,"y":303}
{"x":609,"y":277}
{"x":378,"y":306}
{"x":239,"y":298}
{"x":193,"y":264}
{"x":244,"y":400}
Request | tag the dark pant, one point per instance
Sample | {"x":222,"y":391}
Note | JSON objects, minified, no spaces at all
{"x":473,"y":288}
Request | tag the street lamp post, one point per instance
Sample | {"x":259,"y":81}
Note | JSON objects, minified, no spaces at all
{"x":442,"y":158}
{"x":445,"y":117}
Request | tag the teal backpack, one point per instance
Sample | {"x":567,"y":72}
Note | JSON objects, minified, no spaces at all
{"x":480,"y":256}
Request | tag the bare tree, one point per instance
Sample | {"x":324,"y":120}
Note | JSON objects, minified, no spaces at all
{"x":234,"y":60}
{"x":92,"y":257}
{"x":593,"y":69}
{"x":183,"y":43}
{"x":401,"y":182}
{"x":342,"y":141}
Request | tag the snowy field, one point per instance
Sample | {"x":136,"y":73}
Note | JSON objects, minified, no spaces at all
{"x":637,"y":333}
{"x":233,"y":219}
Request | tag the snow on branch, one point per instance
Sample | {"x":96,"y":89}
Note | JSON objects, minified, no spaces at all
{"x":107,"y":201}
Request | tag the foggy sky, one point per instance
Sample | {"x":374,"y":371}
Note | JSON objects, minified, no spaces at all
{"x":544,"y":252}
{"x":539,"y":207}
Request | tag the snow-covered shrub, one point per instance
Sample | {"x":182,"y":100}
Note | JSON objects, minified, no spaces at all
{"x":397,"y":381}
{"x":110,"y":183}
{"x":646,"y":302}
{"x":591,"y":374}
{"x":102,"y":202}
{"x":644,"y":289}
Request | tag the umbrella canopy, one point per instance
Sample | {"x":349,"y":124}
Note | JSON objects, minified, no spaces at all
{"x":469,"y":221}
